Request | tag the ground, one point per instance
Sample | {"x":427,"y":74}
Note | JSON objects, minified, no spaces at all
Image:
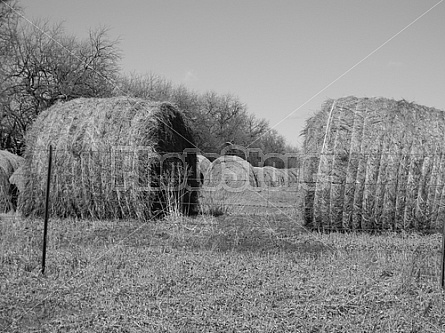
{"x":252,"y":268}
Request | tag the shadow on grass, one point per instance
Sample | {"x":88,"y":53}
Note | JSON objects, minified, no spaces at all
{"x":262,"y":242}
{"x":228,"y":233}
{"x":263,"y":235}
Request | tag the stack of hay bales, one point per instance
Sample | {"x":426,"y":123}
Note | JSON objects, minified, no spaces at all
{"x":273,"y":177}
{"x":374,"y":164}
{"x":270,"y":177}
{"x":202,"y":167}
{"x":230,"y":173}
{"x":9,"y":163}
{"x":107,"y":161}
{"x":280,"y":169}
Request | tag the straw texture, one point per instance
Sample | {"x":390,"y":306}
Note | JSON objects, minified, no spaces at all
{"x":230,"y":172}
{"x":203,"y":167}
{"x":9,"y":163}
{"x":374,"y":164}
{"x":108,"y":159}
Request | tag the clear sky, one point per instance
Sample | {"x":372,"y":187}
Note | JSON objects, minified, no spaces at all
{"x":282,"y":58}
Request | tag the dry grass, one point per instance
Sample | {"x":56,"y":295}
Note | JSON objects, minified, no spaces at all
{"x":107,"y":159}
{"x":226,"y":274}
{"x":374,"y":164}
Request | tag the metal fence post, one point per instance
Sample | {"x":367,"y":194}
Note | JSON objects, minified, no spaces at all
{"x":45,"y":228}
{"x":442,"y":275}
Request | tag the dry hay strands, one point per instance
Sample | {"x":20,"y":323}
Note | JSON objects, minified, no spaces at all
{"x":275,"y":171}
{"x":9,"y":163}
{"x":374,"y":164}
{"x":230,"y":173}
{"x":108,"y":159}
{"x":292,"y":175}
{"x":17,"y":178}
{"x":202,"y":167}
{"x":278,"y":161}
{"x":271,"y":177}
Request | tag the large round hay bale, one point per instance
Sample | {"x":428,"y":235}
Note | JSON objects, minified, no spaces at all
{"x":109,"y":159}
{"x":230,"y":173}
{"x":203,"y":167}
{"x":374,"y":164}
{"x":9,"y":163}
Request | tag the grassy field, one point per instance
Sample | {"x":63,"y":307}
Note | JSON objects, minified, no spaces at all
{"x":255,"y":201}
{"x":243,"y":271}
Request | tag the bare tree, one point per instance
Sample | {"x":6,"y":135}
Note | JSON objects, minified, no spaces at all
{"x":255,"y":128}
{"x":148,"y":86}
{"x":214,"y":118}
{"x":43,"y":65}
{"x":9,"y":11}
{"x":272,"y":142}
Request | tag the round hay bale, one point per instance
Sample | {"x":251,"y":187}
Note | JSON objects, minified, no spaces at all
{"x":275,"y":160}
{"x":374,"y":164}
{"x":259,"y":176}
{"x":18,"y":179}
{"x":9,"y":163}
{"x":270,"y":177}
{"x":113,"y":158}
{"x":231,"y":173}
{"x":293,"y":175}
{"x":229,"y":149}
{"x":203,"y":167}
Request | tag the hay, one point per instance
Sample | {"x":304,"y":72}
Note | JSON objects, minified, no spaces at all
{"x":230,"y":173}
{"x":229,"y":149}
{"x":374,"y":164}
{"x":17,"y":179}
{"x":293,"y":175}
{"x":108,"y":159}
{"x":278,"y":161}
{"x":202,"y":167}
{"x":8,"y":164}
{"x":273,"y":177}
{"x":270,"y":177}
{"x":282,"y":161}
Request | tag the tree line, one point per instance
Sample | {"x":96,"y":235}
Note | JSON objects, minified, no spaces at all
{"x":41,"y":64}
